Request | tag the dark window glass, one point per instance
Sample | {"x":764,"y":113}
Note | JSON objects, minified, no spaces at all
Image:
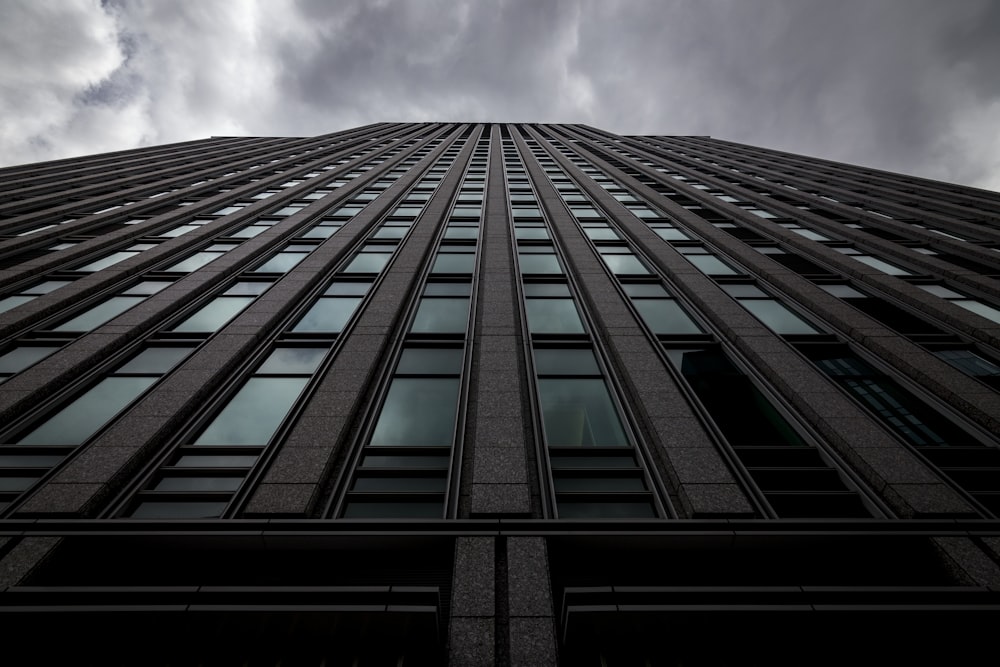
{"x":213,"y":315}
{"x":553,"y":316}
{"x":256,"y":411}
{"x":293,"y":361}
{"x":664,"y":316}
{"x":419,"y":412}
{"x":79,"y":420}
{"x":19,"y":358}
{"x":430,"y":361}
{"x":328,"y":315}
{"x":565,"y":361}
{"x":99,"y":314}
{"x":441,"y":316}
{"x":155,"y":360}
{"x":579,"y":411}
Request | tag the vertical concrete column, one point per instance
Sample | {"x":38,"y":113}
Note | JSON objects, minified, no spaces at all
{"x":472,"y":627}
{"x":530,"y":621}
{"x":497,"y":434}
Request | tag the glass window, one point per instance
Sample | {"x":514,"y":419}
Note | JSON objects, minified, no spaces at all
{"x":19,"y":358}
{"x":99,"y":314}
{"x":368,"y":262}
{"x":195,"y":261}
{"x":446,"y":262}
{"x":293,"y":361}
{"x":430,"y":361}
{"x":624,"y":264}
{"x":565,"y":361}
{"x":105,"y":262}
{"x":213,"y":315}
{"x":79,"y":420}
{"x":553,"y":316}
{"x":441,"y":315}
{"x":256,"y":411}
{"x":418,"y":412}
{"x":777,"y":317}
{"x":328,"y":315}
{"x":281,"y":263}
{"x":155,"y":360}
{"x":546,"y":263}
{"x":710,"y":265}
{"x":666,"y":317}
{"x":13,"y":302}
{"x":579,"y":412}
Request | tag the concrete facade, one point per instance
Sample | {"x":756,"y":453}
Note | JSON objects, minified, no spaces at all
{"x":496,"y":394}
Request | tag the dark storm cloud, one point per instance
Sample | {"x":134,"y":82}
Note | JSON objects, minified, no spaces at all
{"x":907,"y":85}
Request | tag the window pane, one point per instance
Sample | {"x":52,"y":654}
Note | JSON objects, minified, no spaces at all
{"x":579,"y":411}
{"x":531,"y":233}
{"x":195,"y":261}
{"x":328,"y":315}
{"x":624,"y":264}
{"x":430,"y":361}
{"x":248,"y":288}
{"x":448,"y":289}
{"x":671,"y":234}
{"x":710,"y":265}
{"x":155,"y":360}
{"x":100,"y":314}
{"x":601,"y":234}
{"x":104,"y":263}
{"x":293,"y":360}
{"x":546,"y":289}
{"x":565,"y":362}
{"x":220,"y":461}
{"x":254,"y":413}
{"x":539,"y":263}
{"x":214,"y":314}
{"x":664,"y":316}
{"x":441,"y":316}
{"x":80,"y":419}
{"x":368,"y":262}
{"x":884,"y":267}
{"x":280,"y":263}
{"x":644,"y":290}
{"x":981,"y":309}
{"x":777,"y":317}
{"x":454,"y":263}
{"x":13,"y":302}
{"x":552,"y":316}
{"x":20,"y":358}
{"x":46,"y":287}
{"x":419,"y":412}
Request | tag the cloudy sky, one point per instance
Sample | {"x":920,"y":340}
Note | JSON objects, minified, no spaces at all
{"x":905,"y":85}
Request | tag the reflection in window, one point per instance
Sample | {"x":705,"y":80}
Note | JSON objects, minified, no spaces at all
{"x":768,"y":310}
{"x":441,"y":310}
{"x":660,"y":311}
{"x":30,"y":293}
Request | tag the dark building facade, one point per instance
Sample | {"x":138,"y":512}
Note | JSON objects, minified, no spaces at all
{"x":509,"y":394}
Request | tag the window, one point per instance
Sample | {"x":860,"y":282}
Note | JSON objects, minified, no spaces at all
{"x":31,"y":293}
{"x":769,"y":310}
{"x":332,"y":311}
{"x":199,"y":479}
{"x":216,"y":313}
{"x":978,"y":307}
{"x":660,"y":311}
{"x":443,"y":309}
{"x":111,"y":307}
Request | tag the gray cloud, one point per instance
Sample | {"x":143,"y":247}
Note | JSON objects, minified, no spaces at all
{"x":906,"y":85}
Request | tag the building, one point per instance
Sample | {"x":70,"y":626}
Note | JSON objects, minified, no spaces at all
{"x":496,"y":394}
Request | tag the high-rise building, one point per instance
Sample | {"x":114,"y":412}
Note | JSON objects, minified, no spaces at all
{"x":477,"y":394}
